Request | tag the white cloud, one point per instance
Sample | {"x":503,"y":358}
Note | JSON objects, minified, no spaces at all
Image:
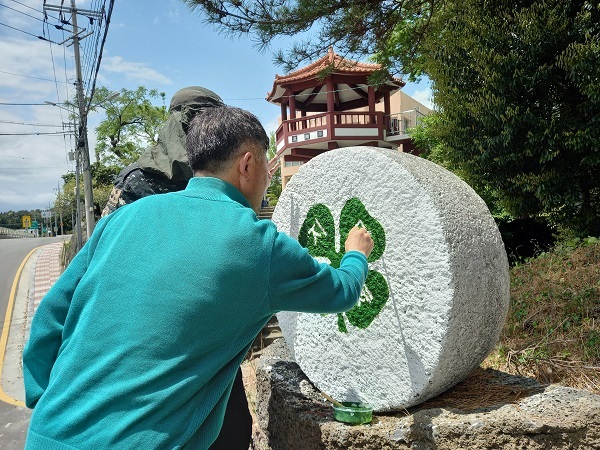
{"x":31,"y":58}
{"x":30,"y":169}
{"x":272,"y":125}
{"x":133,"y":71}
{"x":31,"y":165}
{"x":424,"y":96}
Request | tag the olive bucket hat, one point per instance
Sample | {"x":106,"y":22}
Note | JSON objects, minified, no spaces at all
{"x":168,"y":157}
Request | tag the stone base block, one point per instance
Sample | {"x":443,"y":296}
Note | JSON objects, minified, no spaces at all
{"x":488,"y":410}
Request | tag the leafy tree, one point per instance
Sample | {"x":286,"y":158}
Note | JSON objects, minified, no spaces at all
{"x":355,"y":27}
{"x":517,"y":84}
{"x":14,"y":219}
{"x":274,"y":190}
{"x":132,"y":123}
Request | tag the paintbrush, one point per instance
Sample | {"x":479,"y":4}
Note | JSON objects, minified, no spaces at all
{"x":331,"y":400}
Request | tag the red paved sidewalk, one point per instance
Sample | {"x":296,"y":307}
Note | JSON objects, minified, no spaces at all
{"x":45,"y":273}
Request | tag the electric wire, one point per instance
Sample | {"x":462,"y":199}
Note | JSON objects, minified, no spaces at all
{"x":25,"y":157}
{"x":54,"y":72}
{"x":107,"y":23}
{"x":29,"y":76}
{"x":30,"y":34}
{"x":31,"y":124}
{"x":91,"y":48}
{"x":37,"y":10}
{"x":53,"y":133}
{"x":24,"y":104}
{"x":71,"y":136}
{"x":21,"y":12}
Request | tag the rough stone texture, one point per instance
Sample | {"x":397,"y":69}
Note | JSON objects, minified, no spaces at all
{"x":521,"y":415}
{"x":444,"y":264}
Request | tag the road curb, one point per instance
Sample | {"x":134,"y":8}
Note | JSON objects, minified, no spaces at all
{"x":10,"y":367}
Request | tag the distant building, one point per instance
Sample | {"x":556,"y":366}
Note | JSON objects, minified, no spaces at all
{"x":321,"y":113}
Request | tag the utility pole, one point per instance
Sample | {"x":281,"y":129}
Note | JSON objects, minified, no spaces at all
{"x":59,"y":198}
{"x":90,"y":221}
{"x":78,"y":202}
{"x":82,"y":138}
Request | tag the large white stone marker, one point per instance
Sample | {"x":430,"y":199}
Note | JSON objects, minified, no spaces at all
{"x":437,"y":292}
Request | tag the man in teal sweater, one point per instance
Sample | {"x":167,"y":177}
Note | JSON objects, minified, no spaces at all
{"x":111,"y":367}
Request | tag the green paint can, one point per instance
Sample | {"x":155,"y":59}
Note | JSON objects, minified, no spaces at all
{"x":352,"y":412}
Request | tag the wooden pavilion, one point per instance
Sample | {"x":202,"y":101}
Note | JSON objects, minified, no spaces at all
{"x":330,"y":104}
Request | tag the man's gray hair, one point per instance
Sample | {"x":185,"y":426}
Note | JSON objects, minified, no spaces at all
{"x":216,"y":134}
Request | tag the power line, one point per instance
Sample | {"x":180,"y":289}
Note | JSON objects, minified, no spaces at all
{"x":90,"y":50}
{"x":29,"y":76}
{"x":21,"y":12}
{"x":24,"y":157}
{"x":107,"y":23}
{"x":31,"y":168}
{"x":54,"y":72}
{"x":53,"y":133}
{"x":67,"y":95}
{"x":41,"y":12}
{"x":24,"y":104}
{"x":30,"y":34}
{"x":31,"y":124}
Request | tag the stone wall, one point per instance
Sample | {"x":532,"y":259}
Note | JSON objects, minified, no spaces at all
{"x":489,"y":410}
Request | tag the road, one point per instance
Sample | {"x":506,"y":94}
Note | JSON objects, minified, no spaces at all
{"x":14,"y":419}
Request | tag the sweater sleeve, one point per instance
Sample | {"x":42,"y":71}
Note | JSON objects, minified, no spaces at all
{"x":47,"y":325}
{"x":300,"y":283}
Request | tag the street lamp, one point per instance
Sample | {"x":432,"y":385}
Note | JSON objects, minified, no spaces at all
{"x":83,"y":149}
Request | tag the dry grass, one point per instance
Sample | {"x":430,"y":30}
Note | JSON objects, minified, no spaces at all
{"x":480,"y":389}
{"x":552,"y":332}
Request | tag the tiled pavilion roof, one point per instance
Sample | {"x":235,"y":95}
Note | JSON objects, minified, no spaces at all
{"x":340,"y":65}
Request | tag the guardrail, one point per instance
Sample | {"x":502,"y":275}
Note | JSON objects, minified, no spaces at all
{"x":401,"y":122}
{"x":8,"y":232}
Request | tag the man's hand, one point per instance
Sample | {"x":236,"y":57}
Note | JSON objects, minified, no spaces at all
{"x":360,"y":240}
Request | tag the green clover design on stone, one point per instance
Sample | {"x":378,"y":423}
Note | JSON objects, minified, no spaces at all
{"x":317,"y":234}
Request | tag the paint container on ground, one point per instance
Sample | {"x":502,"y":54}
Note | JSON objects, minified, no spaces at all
{"x":352,"y":412}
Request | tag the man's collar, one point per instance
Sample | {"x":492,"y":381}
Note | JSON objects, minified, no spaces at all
{"x":216,"y":189}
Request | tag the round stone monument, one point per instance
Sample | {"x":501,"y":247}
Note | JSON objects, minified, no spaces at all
{"x":437,"y":292}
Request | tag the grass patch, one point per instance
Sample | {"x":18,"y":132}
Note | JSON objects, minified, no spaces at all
{"x":552,"y":331}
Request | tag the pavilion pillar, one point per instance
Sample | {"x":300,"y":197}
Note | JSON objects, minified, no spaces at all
{"x":292,"y":102}
{"x":330,"y":99}
{"x":387,"y":110}
{"x":371,"y":97}
{"x":292,"y":106}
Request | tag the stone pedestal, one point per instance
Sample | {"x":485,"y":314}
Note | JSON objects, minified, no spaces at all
{"x":488,"y":410}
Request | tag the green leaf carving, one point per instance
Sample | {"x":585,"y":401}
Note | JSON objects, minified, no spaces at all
{"x":374,"y":296}
{"x":317,"y":234}
{"x":353,"y":214}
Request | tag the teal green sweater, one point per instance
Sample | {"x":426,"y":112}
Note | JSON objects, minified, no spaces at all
{"x":138,"y":342}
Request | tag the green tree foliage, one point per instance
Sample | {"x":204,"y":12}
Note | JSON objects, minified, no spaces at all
{"x":355,"y":27}
{"x":274,"y":190}
{"x":132,"y":123}
{"x":517,"y":86}
{"x":64,"y":206}
{"x":13,"y":219}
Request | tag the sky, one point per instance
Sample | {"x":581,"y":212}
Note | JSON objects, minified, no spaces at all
{"x":160,"y":44}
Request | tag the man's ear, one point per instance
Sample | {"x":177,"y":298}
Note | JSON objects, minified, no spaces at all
{"x":244,"y":164}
